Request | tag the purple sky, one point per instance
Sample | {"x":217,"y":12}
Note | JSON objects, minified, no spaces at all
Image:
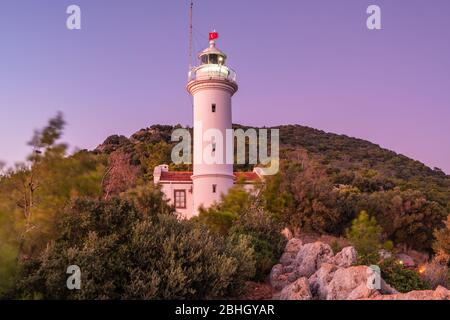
{"x":309,"y":62}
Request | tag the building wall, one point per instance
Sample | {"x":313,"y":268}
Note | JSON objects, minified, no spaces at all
{"x":169,"y":188}
{"x":188,"y":212}
{"x":205,"y":174}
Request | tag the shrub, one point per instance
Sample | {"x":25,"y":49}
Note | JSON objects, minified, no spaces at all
{"x":365,"y":236}
{"x":239,"y":214}
{"x":442,"y":244}
{"x":126,"y":254}
{"x":402,"y":279}
{"x":265,"y":238}
{"x":435,"y":274}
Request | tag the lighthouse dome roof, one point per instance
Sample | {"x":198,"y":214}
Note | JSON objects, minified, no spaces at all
{"x":212,"y":49}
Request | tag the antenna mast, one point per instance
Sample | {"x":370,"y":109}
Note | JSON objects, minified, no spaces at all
{"x":190,"y":35}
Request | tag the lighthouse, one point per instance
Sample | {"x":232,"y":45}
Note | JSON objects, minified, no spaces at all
{"x":212,"y":84}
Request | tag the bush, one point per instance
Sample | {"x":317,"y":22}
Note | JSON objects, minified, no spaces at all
{"x":402,"y":279}
{"x":126,"y":254}
{"x":442,"y":244}
{"x":240,"y":215}
{"x":365,"y":236}
{"x":265,"y":238}
{"x":435,"y":274}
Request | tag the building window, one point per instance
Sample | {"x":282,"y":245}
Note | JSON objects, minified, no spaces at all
{"x":179,"y":197}
{"x":214,"y":188}
{"x":213,"y":107}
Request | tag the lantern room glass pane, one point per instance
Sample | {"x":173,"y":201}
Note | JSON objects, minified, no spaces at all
{"x":213,"y":58}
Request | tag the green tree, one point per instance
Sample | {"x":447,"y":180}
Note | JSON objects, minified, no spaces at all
{"x":365,"y":236}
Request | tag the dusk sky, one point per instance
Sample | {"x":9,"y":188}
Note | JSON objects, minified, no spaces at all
{"x":308,"y":62}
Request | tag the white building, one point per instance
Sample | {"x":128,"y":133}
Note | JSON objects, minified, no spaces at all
{"x":212,"y":84}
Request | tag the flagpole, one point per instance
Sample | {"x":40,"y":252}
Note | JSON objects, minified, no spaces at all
{"x":190,"y":35}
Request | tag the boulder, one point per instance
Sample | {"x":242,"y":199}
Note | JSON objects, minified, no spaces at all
{"x":440,"y":293}
{"x":290,"y":251}
{"x":345,"y":258}
{"x":310,"y":257}
{"x":293,"y":245}
{"x":350,"y":284}
{"x":278,"y":279}
{"x":298,"y":290}
{"x":319,"y":281}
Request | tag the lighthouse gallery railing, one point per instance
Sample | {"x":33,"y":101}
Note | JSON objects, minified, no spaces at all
{"x":212,"y":71}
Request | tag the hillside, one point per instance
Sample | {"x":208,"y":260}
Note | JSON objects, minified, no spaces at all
{"x":325,"y":180}
{"x":346,"y":160}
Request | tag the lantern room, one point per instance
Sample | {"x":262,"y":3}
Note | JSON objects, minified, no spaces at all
{"x":212,"y":64}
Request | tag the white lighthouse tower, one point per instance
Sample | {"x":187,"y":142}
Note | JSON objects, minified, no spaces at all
{"x":212,"y":84}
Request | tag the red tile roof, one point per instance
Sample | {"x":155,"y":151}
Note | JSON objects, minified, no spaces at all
{"x":185,"y":176}
{"x":248,"y":176}
{"x":181,"y":176}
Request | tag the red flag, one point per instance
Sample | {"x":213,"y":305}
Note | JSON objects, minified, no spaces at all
{"x":213,"y":36}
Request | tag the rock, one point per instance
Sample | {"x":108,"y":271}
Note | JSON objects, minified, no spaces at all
{"x":278,"y":279}
{"x":290,"y":251}
{"x":345,"y":258}
{"x":298,"y":290}
{"x":287,"y":233}
{"x":287,"y":258}
{"x":288,"y":269}
{"x":350,"y":284}
{"x":440,"y":293}
{"x":318,"y":282}
{"x":293,"y":245}
{"x":311,"y":256}
{"x":387,"y":289}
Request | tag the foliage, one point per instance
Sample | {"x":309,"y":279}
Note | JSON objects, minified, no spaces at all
{"x":406,"y":216}
{"x":265,"y":238}
{"x":365,"y":236}
{"x":442,"y":243}
{"x":33,"y":195}
{"x":8,"y":253}
{"x":240,"y":214}
{"x":123,"y":253}
{"x":401,"y":278}
{"x":434,"y":273}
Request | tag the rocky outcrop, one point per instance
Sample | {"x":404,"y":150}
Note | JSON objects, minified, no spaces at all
{"x":284,"y":273}
{"x":310,"y":257}
{"x":440,"y":293}
{"x":290,"y":251}
{"x":278,"y":279}
{"x":320,"y":280}
{"x":350,"y":284}
{"x":345,"y":258}
{"x":312,"y":271}
{"x":298,"y":290}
